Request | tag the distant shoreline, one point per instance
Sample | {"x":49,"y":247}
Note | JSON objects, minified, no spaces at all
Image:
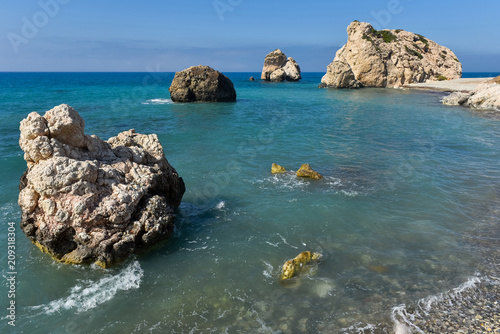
{"x":455,"y":85}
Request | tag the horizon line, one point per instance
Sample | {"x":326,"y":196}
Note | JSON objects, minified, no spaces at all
{"x":92,"y":71}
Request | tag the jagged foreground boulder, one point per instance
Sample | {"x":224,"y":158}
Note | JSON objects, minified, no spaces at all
{"x":388,"y":58}
{"x":278,"y":68}
{"x":87,"y":200}
{"x":201,"y":84}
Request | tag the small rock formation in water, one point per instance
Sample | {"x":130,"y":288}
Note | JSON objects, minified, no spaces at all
{"x":277,"y":169}
{"x":201,"y":84}
{"x":485,"y":96}
{"x":252,"y":79}
{"x":388,"y":58}
{"x":299,"y":264}
{"x":306,"y":171}
{"x":86,"y":200}
{"x":278,"y":68}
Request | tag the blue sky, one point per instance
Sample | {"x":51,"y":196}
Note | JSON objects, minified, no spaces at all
{"x":229,"y":35}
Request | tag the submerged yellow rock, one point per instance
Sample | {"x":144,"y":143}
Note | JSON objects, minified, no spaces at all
{"x":277,"y":169}
{"x":306,"y":171}
{"x":299,"y":264}
{"x":379,"y":269}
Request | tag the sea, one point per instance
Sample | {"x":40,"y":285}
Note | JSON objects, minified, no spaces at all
{"x":408,"y":208}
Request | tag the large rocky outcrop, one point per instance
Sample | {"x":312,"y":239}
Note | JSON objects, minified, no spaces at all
{"x":87,"y":200}
{"x":203,"y":84}
{"x":485,"y":96}
{"x":278,"y":68}
{"x":388,"y":58}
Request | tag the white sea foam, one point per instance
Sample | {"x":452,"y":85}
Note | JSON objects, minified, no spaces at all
{"x":404,"y":320}
{"x":284,"y":181}
{"x":89,"y":294}
{"x":221,"y":205}
{"x":350,"y":193}
{"x":289,"y":181}
{"x":360,"y":328}
{"x":158,"y":101}
{"x":268,"y":272}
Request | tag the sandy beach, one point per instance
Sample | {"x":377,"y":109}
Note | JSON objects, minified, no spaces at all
{"x":456,"y":85}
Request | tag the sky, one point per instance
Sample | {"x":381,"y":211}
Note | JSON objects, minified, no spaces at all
{"x":228,"y":35}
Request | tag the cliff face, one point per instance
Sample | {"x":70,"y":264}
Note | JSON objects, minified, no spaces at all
{"x":389,"y":58}
{"x":278,"y":68}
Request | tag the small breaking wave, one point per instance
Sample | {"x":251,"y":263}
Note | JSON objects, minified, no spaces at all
{"x":289,"y":181}
{"x":158,"y":101}
{"x":360,"y":328}
{"x":404,"y":317}
{"x":89,"y":294}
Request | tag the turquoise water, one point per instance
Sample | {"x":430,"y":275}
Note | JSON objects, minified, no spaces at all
{"x":408,"y":207}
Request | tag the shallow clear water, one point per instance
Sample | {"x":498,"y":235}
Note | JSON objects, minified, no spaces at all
{"x":411,"y":190}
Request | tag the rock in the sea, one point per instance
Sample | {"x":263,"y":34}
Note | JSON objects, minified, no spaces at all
{"x":252,"y":79}
{"x":278,"y":68}
{"x":201,"y":84}
{"x":485,"y":96}
{"x":277,"y":169}
{"x":388,"y":58}
{"x":292,"y":70}
{"x":299,"y":264}
{"x":306,"y":171}
{"x":456,"y":98}
{"x":86,"y":200}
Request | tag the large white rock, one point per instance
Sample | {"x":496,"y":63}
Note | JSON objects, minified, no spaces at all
{"x":278,"y":68}
{"x":292,"y":70}
{"x":87,"y":200}
{"x":485,"y":96}
{"x":388,"y":58}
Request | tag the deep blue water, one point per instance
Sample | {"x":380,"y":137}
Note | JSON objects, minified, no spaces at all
{"x":408,"y":207}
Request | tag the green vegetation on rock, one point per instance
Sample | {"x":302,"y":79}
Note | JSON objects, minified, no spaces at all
{"x":386,"y":35}
{"x":422,"y":39}
{"x":414,"y":52}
